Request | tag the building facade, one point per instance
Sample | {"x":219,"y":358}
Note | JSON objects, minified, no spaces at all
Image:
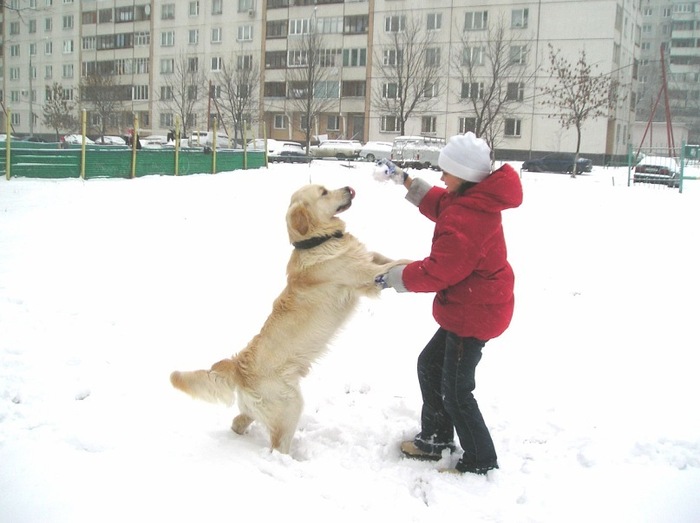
{"x":164,"y":61}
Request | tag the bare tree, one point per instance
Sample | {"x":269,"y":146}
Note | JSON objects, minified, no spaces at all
{"x":59,"y":110}
{"x":103,"y":98}
{"x":577,"y":94}
{"x":238,"y":101}
{"x":494,"y":77}
{"x":409,"y":67}
{"x":183,"y":90}
{"x":309,"y":80}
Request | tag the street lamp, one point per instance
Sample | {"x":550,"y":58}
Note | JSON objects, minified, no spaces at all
{"x":31,"y":97}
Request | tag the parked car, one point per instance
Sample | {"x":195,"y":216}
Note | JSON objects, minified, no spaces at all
{"x":206,"y":139}
{"x":274,"y":147}
{"x":558,"y":163}
{"x":110,"y":140}
{"x":417,"y":151}
{"x":372,"y":151}
{"x":76,"y":139}
{"x":336,"y":149}
{"x":290,"y":152}
{"x":658,"y":169}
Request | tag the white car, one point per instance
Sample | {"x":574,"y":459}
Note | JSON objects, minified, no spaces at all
{"x":206,"y":139}
{"x":337,"y":149}
{"x":274,"y":147}
{"x":372,"y":151}
{"x":110,"y":140}
{"x":76,"y":139}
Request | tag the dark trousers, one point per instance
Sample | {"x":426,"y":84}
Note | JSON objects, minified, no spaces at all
{"x":446,"y":373}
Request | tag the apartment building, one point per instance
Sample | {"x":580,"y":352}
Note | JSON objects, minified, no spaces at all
{"x":670,"y":33}
{"x":157,"y":56}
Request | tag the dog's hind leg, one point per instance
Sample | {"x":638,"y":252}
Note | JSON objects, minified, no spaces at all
{"x":241,"y":423}
{"x":283,"y":424}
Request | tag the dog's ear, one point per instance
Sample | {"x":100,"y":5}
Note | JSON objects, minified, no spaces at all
{"x":299,"y":219}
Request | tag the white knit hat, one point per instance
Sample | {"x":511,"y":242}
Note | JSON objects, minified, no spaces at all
{"x":467,"y":157}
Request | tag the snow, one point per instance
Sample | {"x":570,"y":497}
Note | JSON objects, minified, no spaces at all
{"x":106,"y":286}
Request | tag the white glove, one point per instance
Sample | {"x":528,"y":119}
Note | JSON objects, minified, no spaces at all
{"x":386,"y":170}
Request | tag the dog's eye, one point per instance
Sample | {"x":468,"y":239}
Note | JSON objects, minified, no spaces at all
{"x":324,"y":192}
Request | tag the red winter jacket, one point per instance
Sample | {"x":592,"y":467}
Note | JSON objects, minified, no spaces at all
{"x":468,"y":266}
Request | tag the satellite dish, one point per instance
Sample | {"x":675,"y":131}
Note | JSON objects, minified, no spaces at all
{"x":147,"y":9}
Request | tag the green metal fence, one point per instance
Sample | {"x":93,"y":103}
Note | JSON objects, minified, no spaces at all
{"x":662,"y":166}
{"x":42,"y":160}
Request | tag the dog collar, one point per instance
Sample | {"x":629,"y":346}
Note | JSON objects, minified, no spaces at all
{"x":316,"y":240}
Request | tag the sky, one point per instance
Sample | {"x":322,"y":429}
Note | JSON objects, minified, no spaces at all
{"x":108,"y":285}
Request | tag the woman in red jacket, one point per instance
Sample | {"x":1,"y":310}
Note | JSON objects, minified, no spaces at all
{"x":468,"y":270}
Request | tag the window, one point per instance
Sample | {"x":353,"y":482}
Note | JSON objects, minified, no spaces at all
{"x":244,"y":62}
{"x":300,"y":26}
{"x":518,"y":18}
{"x":472,"y":90}
{"x":356,"y":24}
{"x":394,"y":24}
{"x":216,"y":33}
{"x":167,"y":65}
{"x":32,"y":26}
{"x":167,"y":120}
{"x":194,"y":8}
{"x":518,"y":54}
{"x":275,"y":89}
{"x":354,"y":57}
{"x":48,"y":24}
{"x":217,"y":7}
{"x":297,"y":58}
{"x":327,"y":90}
{"x":475,"y":20}
{"x":105,"y":16}
{"x":279,"y":121}
{"x":14,"y":28}
{"x":68,"y":22}
{"x":473,"y":56}
{"x":140,"y":92}
{"x":245,"y":33}
{"x":192,"y":64}
{"x":193,"y":36}
{"x":515,"y":91}
{"x":392,"y":56}
{"x":167,"y":12}
{"x":16,"y":120}
{"x":14,"y":73}
{"x":467,"y":124}
{"x":512,"y":127}
{"x":142,"y":39}
{"x":167,"y":39}
{"x":354,"y":88}
{"x":217,"y":63}
{"x":68,"y":71}
{"x":48,"y":48}
{"x":329,"y":25}
{"x":432,"y":56}
{"x":192,"y":92}
{"x":390,"y":124}
{"x":276,"y":29}
{"x":434,"y":21}
{"x":329,"y":57}
{"x":430,"y":90}
{"x":14,"y":50}
{"x":428,"y":124}
{"x":245,"y":5}
{"x":390,"y":90}
{"x":68,"y":46}
{"x":166,"y":92}
{"x":333,"y":123}
{"x":48,"y":72}
{"x":304,"y":122}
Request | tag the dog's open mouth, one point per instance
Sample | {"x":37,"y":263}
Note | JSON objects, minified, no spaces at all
{"x":350,"y":194}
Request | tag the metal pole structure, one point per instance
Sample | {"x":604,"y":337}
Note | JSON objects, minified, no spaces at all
{"x":177,"y":144}
{"x":134,"y":145}
{"x":8,"y":135}
{"x":83,"y":118}
{"x":31,"y":98}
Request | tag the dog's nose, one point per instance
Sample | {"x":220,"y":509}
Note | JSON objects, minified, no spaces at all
{"x":351,"y":191}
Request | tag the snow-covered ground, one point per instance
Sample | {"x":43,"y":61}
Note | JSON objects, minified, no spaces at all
{"x":106,"y":286}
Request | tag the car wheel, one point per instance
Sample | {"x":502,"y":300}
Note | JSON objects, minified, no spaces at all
{"x":370,"y":157}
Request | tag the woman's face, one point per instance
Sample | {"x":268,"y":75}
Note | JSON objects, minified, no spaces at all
{"x":451,"y":182}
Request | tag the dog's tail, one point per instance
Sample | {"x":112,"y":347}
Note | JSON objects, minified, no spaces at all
{"x":217,"y":385}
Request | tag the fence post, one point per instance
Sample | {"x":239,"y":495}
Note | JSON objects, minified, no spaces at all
{"x":682,"y":175}
{"x":8,"y":133}
{"x":83,"y":126}
{"x":134,"y":146}
{"x":215,"y":127}
{"x":177,"y":144}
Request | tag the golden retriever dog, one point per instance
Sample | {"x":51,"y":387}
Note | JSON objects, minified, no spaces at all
{"x":329,"y":270}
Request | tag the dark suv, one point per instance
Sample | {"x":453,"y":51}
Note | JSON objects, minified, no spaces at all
{"x":558,"y":163}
